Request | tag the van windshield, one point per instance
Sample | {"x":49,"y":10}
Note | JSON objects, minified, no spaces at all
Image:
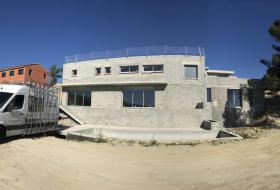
{"x":4,"y":97}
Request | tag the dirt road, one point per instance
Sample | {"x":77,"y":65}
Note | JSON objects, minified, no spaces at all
{"x":49,"y":163}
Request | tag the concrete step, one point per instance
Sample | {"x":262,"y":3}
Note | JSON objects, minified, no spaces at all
{"x":87,"y":132}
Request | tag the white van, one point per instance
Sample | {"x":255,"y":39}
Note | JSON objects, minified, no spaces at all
{"x":27,"y":109}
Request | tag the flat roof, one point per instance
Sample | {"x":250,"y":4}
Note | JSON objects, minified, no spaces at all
{"x":17,"y":67}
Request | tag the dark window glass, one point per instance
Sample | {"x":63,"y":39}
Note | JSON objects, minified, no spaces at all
{"x":15,"y":104}
{"x":133,"y":97}
{"x":4,"y":97}
{"x":30,"y":72}
{"x":87,"y":98}
{"x":20,"y":72}
{"x":127,"y":98}
{"x":98,"y":70}
{"x":12,"y":73}
{"x":138,"y":98}
{"x":45,"y":76}
{"x":71,"y":98}
{"x":128,"y":69}
{"x":251,"y":98}
{"x":191,"y":71}
{"x":149,"y":98}
{"x":153,"y":68}
{"x":234,"y":98}
{"x":3,"y":74}
{"x":133,"y":68}
{"x":108,"y":70}
{"x":124,"y":69}
{"x":209,"y":95}
{"x":74,"y":72}
{"x":19,"y":99}
{"x":79,"y":98}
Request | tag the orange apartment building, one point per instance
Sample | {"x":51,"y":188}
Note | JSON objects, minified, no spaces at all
{"x":25,"y":73}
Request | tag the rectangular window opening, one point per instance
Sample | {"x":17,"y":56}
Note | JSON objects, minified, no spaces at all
{"x":129,"y":69}
{"x":3,"y":74}
{"x":209,"y":94}
{"x":153,"y":68}
{"x":234,"y":98}
{"x":79,"y":98}
{"x":30,"y":72}
{"x":74,"y":72}
{"x":98,"y":71}
{"x":12,"y":73}
{"x":108,"y":70}
{"x":191,"y":71}
{"x":20,"y":72}
{"x":138,"y":97}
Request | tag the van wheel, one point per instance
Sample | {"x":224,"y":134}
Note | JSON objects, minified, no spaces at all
{"x":2,"y":133}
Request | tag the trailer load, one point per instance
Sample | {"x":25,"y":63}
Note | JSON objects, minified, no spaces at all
{"x":27,"y":109}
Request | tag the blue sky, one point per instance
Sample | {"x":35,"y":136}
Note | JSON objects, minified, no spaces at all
{"x":233,"y":32}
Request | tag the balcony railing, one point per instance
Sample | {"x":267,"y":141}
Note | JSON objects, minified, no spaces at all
{"x":138,"y":51}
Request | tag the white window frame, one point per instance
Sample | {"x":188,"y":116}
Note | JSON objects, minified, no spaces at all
{"x":153,"y":66}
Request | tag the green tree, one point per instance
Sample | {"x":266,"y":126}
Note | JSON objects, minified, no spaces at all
{"x":272,"y":76}
{"x":55,"y":73}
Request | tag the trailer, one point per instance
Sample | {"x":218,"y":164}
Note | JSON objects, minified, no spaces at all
{"x":27,"y":109}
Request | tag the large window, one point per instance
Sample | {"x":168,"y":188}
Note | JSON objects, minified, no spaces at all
{"x":190,"y":71}
{"x":234,"y":98}
{"x":129,"y":69}
{"x":79,"y":98}
{"x":138,"y":97}
{"x":153,"y":68}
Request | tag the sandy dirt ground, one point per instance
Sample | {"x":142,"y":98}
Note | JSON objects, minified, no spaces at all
{"x":50,"y":163}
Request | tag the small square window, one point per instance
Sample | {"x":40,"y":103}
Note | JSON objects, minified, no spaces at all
{"x":3,"y":74}
{"x":20,"y":72}
{"x":191,"y":71}
{"x":74,"y":72}
{"x":98,"y":71}
{"x":108,"y":70}
{"x":12,"y":73}
{"x":30,"y":72}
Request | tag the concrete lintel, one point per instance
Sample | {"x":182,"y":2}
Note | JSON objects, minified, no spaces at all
{"x":116,"y":83}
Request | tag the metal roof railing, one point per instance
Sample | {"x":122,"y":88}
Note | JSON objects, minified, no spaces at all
{"x":138,"y":51}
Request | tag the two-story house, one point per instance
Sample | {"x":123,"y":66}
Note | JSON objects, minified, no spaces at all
{"x":166,"y":88}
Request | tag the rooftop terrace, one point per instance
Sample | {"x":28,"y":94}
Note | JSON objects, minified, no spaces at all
{"x":136,"y":51}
